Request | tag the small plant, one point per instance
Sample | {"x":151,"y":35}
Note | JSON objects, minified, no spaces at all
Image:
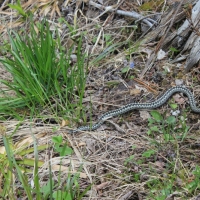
{"x":173,"y":51}
{"x":108,"y":39}
{"x":159,"y":189}
{"x":194,"y":185}
{"x":19,"y":9}
{"x":148,"y":153}
{"x":128,"y":160}
{"x":168,"y":126}
{"x":61,"y":148}
{"x":71,"y":189}
{"x":125,"y":70}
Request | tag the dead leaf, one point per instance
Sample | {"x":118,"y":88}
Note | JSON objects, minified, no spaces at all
{"x":161,"y":54}
{"x":135,"y":91}
{"x":91,"y":144}
{"x":28,"y":141}
{"x":102,"y":185}
{"x":144,"y":114}
{"x":179,"y":99}
{"x":2,"y":129}
{"x":2,"y":150}
{"x":81,"y":144}
{"x":64,"y":123}
{"x":159,"y":164}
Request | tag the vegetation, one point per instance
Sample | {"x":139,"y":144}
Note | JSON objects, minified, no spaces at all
{"x":42,"y":77}
{"x":42,"y":74}
{"x":71,"y":68}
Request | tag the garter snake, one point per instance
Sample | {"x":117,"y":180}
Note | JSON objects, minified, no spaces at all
{"x":139,"y":106}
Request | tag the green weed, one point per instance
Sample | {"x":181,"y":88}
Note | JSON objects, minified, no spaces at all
{"x":194,"y":185}
{"x":173,"y":51}
{"x":161,"y":188}
{"x":61,"y":148}
{"x":19,"y":9}
{"x":170,"y":127}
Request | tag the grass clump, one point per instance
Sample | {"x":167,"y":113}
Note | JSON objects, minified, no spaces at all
{"x":42,"y":73}
{"x":16,"y":171}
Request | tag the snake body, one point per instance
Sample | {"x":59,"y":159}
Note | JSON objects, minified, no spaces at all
{"x":139,"y":106}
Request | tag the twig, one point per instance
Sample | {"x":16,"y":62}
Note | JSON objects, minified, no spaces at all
{"x":132,"y":14}
{"x":160,"y":44}
{"x":146,"y":85}
{"x":152,"y":58}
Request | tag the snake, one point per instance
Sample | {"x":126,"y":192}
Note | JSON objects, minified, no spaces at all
{"x":142,"y":106}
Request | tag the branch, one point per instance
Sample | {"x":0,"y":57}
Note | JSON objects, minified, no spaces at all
{"x":132,"y":14}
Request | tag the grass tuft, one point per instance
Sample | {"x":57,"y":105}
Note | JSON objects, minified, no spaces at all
{"x":42,"y":73}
